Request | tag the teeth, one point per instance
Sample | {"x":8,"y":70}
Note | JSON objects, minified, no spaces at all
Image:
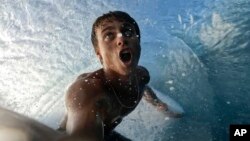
{"x":126,"y":51}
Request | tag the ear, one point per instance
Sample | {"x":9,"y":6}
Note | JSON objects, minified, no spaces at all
{"x":98,"y":54}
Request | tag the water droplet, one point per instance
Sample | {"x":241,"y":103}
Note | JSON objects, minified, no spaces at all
{"x":119,"y":35}
{"x":86,"y":80}
{"x":166,"y":118}
{"x":228,"y":102}
{"x":74,"y":98}
{"x":81,"y":88}
{"x":171,"y":88}
{"x":183,"y":74}
{"x":135,"y":101}
{"x":79,"y":105}
{"x":170,"y":82}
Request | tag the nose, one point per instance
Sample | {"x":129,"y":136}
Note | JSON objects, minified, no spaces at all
{"x":121,"y":41}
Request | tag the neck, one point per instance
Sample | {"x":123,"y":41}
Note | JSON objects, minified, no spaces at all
{"x":114,"y":76}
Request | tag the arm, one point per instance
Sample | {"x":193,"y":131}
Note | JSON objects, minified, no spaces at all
{"x":83,"y":119}
{"x":62,"y":125}
{"x":150,"y":96}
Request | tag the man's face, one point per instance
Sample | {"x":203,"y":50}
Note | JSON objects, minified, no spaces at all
{"x":118,"y":46}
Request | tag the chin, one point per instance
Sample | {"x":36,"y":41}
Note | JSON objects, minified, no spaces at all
{"x":130,"y":70}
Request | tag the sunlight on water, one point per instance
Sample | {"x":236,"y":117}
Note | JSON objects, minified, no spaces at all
{"x":197,"y":53}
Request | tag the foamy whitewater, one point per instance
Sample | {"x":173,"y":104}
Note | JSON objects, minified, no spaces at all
{"x":197,"y":52}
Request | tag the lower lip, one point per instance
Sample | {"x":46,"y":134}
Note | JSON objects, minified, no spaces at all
{"x":128,"y":63}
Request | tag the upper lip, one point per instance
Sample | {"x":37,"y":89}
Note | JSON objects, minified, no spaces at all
{"x":124,"y":50}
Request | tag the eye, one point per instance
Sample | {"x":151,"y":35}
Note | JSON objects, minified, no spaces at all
{"x":128,"y":33}
{"x":108,"y":36}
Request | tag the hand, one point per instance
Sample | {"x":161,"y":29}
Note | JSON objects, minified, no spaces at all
{"x":162,"y":106}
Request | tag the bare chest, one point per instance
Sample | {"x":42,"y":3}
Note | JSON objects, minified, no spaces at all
{"x":121,"y":103}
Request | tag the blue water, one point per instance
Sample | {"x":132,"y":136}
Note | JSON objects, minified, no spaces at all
{"x":197,"y":52}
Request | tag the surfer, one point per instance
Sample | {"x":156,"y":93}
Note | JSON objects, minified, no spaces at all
{"x":97,"y":101}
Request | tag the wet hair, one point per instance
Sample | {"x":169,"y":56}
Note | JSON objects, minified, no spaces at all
{"x":112,"y":15}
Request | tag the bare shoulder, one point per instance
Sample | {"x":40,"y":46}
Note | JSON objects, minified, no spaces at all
{"x":82,"y":76}
{"x":84,"y":91}
{"x":143,"y":74}
{"x":84,"y":116}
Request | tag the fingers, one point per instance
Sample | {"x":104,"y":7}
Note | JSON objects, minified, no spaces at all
{"x":162,"y":107}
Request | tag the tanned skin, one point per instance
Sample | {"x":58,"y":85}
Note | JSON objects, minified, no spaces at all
{"x":97,"y":101}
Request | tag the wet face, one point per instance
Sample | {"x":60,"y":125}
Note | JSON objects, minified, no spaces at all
{"x":118,"y":46}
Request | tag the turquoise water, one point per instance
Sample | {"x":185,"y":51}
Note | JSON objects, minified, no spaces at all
{"x":197,"y":52}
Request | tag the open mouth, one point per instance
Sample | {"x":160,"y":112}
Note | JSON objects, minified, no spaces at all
{"x":125,"y":56}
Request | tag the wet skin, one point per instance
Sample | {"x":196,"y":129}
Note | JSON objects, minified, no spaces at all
{"x":97,"y":101}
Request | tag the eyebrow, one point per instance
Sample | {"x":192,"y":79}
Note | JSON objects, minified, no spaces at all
{"x":107,"y":28}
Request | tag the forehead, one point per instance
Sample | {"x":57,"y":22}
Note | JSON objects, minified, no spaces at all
{"x":112,"y":22}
